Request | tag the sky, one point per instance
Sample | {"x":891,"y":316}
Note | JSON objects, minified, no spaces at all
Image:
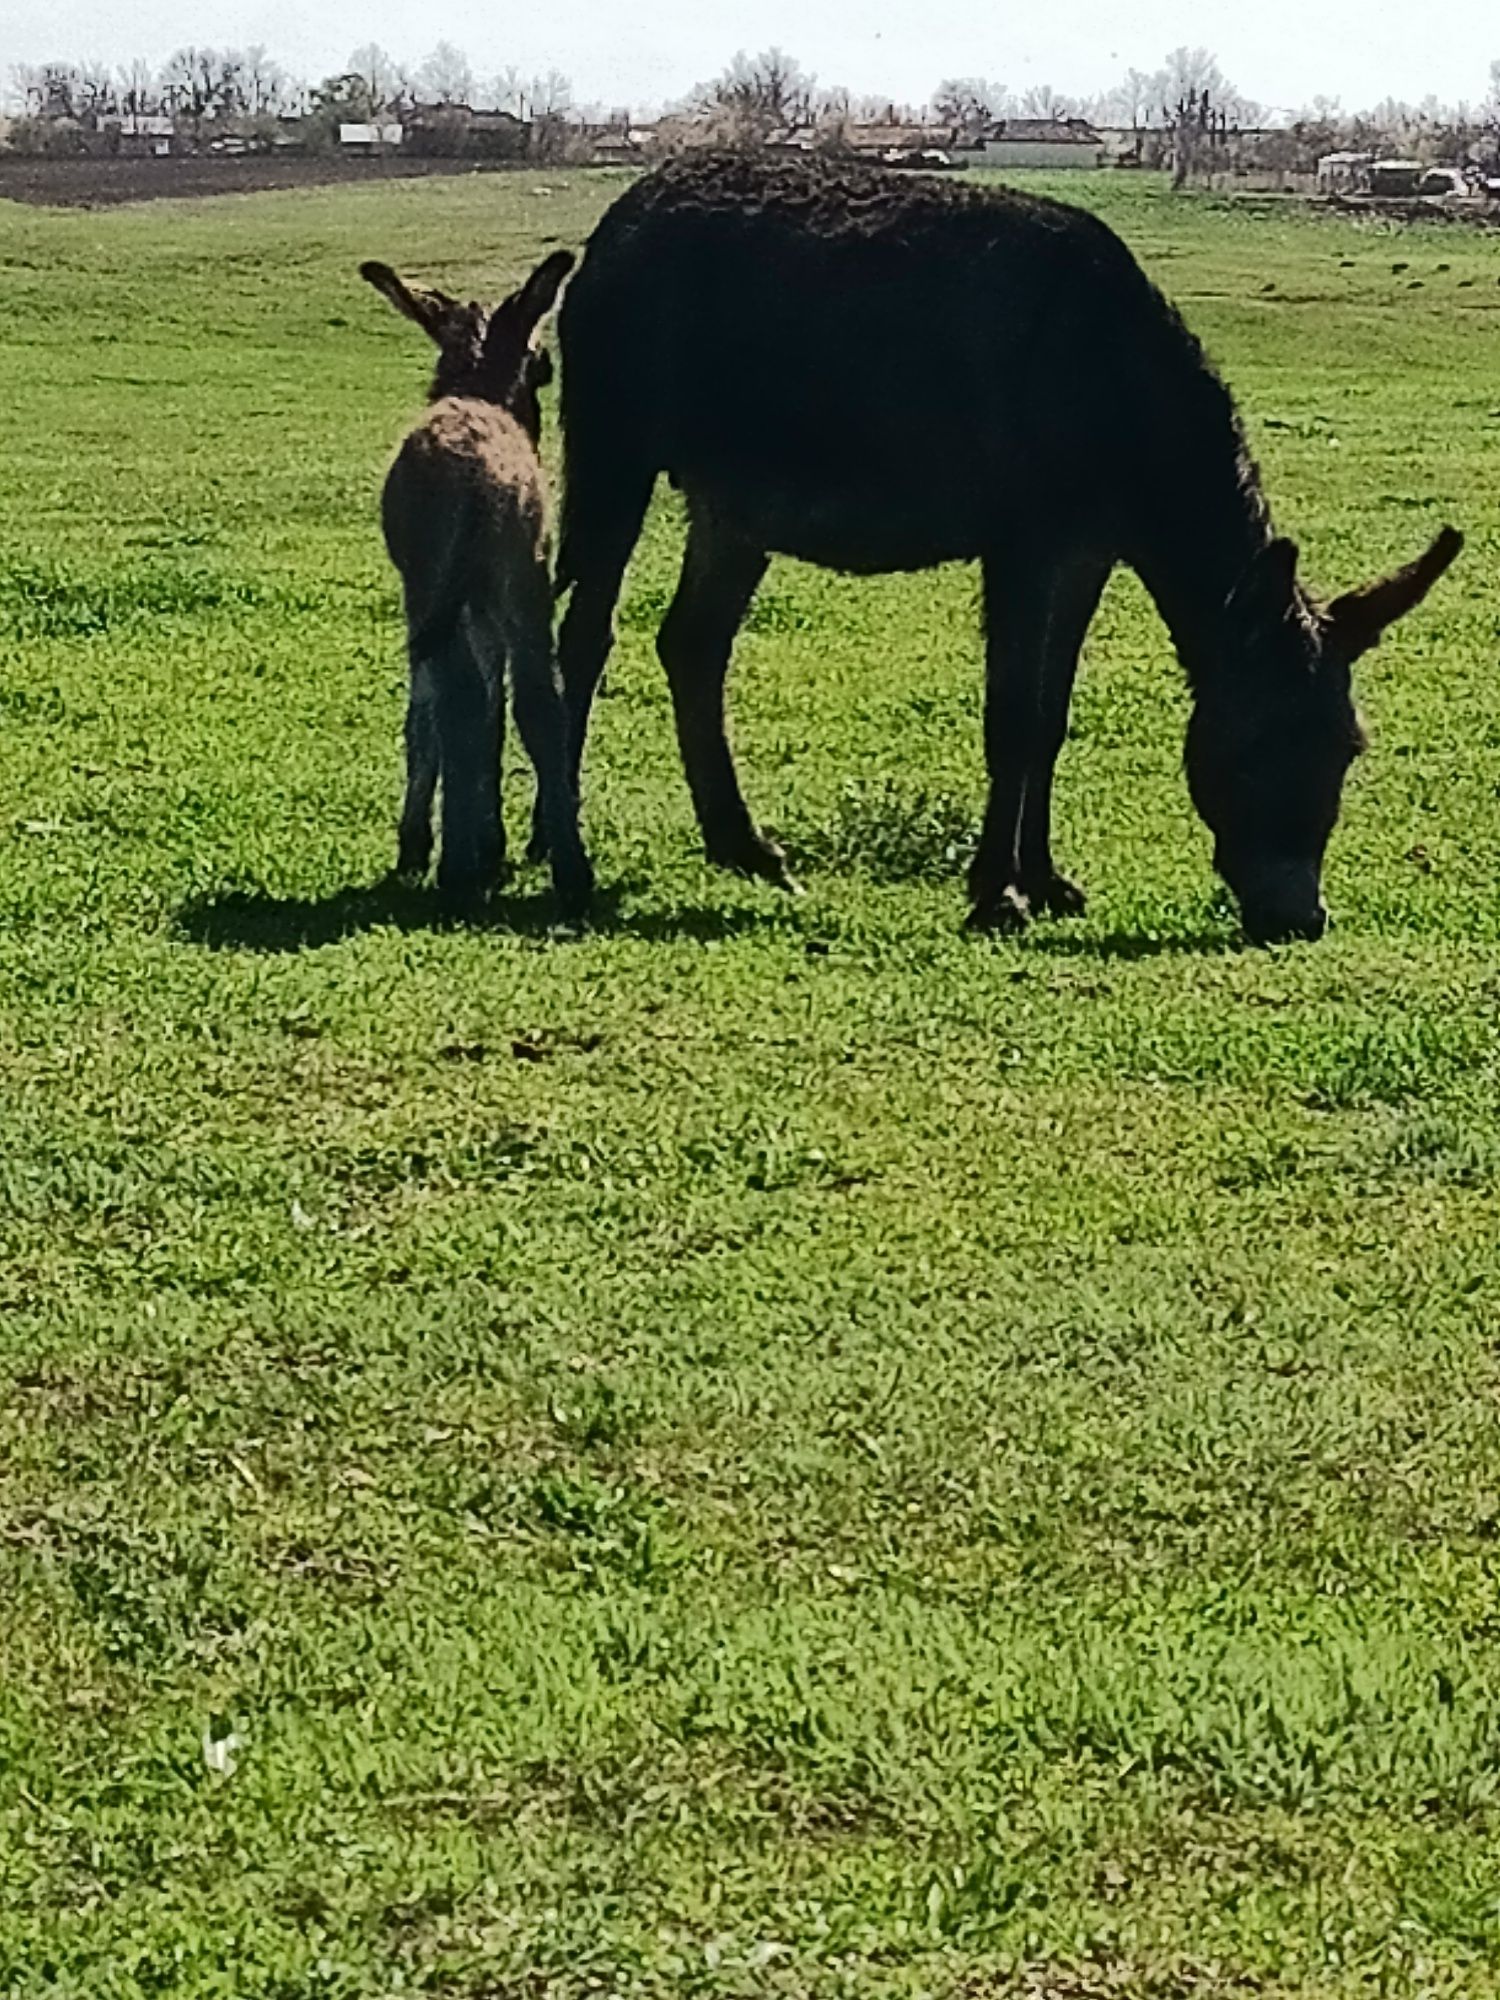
{"x":640,"y":53}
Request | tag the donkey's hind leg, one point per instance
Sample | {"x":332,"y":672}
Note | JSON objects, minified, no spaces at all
{"x":720,"y":575}
{"x":603,"y":529}
{"x":468,"y":676}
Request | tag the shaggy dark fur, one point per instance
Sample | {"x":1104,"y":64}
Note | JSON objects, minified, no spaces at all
{"x":880,"y":371}
{"x":465,"y":517}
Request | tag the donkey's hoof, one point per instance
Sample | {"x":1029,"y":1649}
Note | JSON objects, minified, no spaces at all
{"x":464,"y":886}
{"x":573,"y":888}
{"x":752,"y":854}
{"x":1058,"y":897}
{"x":1005,"y":915}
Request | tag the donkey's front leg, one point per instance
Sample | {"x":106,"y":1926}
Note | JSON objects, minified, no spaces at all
{"x":1015,"y":632}
{"x":1073,"y":598}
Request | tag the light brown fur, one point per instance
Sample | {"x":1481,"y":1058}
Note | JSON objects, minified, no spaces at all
{"x":466,"y":524}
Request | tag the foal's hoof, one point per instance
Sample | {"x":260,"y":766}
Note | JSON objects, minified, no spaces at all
{"x":1005,"y":915}
{"x":1058,"y":897}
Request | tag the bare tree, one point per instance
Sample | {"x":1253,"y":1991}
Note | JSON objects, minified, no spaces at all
{"x":757,"y":95}
{"x":1136,"y":101}
{"x":265,"y":88}
{"x":970,"y":102}
{"x":548,"y":97}
{"x":136,"y":89}
{"x":97,"y":96}
{"x":385,"y":82}
{"x":1200,"y":108}
{"x":447,"y":76}
{"x":1040,"y":100}
{"x":48,"y":90}
{"x":202,"y":83}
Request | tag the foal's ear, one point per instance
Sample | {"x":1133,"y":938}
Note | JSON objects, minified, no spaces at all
{"x":514,"y":322}
{"x":1356,"y":620}
{"x":429,"y":309}
{"x":538,"y":295}
{"x":1267,"y":591}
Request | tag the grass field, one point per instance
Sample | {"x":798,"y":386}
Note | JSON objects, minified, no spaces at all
{"x":769,"y":1449}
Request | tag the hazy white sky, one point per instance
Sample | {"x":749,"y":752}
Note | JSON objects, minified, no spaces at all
{"x":638,"y":52}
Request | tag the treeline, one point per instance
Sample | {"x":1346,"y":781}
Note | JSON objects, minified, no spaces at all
{"x":242,"y":86}
{"x":750,"y":100}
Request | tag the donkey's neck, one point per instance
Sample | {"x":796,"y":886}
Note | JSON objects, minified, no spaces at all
{"x":1202,"y":522}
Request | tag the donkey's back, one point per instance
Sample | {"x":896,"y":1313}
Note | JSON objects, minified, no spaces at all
{"x":874,"y":368}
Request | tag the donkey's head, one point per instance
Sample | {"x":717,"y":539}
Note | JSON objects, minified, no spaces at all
{"x":484,"y":352}
{"x":1273,"y":734}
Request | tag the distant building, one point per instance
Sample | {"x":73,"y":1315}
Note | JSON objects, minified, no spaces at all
{"x":1396,"y":177}
{"x":1344,"y":173}
{"x":450,"y":130}
{"x":1036,"y":142}
{"x":359,"y":138}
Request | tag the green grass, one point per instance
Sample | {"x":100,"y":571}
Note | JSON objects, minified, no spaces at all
{"x":770,"y":1449}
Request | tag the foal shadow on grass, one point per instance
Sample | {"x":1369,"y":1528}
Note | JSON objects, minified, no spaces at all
{"x":247,"y":920}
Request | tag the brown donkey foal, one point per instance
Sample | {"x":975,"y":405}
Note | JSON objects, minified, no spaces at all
{"x":465,"y":518}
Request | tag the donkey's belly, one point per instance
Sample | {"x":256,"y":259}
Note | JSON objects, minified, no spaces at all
{"x":862,"y":532}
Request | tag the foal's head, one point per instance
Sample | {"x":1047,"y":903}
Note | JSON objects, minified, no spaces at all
{"x":484,"y":352}
{"x":1274,"y":732}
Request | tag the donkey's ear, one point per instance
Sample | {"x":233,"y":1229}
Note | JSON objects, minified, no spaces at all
{"x":1356,"y":620}
{"x":426,"y":308}
{"x":1267,"y":591}
{"x":538,"y":295}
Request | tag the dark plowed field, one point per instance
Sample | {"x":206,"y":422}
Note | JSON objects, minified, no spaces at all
{"x":108,"y":183}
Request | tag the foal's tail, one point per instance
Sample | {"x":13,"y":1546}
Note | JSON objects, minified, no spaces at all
{"x":439,"y":582}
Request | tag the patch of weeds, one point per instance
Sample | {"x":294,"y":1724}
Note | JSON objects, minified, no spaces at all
{"x":605,"y":1530}
{"x":1389,"y":1063}
{"x":43,"y":705}
{"x":42,"y":600}
{"x":1438,"y":1145}
{"x":771,"y":611}
{"x":893,"y":831}
{"x":594,"y":1416}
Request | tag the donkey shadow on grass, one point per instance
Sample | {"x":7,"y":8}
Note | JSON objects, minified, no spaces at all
{"x":253,"y":921}
{"x":258,"y":922}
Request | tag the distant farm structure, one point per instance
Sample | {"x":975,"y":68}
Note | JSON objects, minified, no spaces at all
{"x":379,"y":116}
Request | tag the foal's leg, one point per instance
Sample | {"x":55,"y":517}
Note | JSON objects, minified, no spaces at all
{"x":1035,"y":618}
{"x":414,"y":841}
{"x":720,"y":574}
{"x":469,"y":678}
